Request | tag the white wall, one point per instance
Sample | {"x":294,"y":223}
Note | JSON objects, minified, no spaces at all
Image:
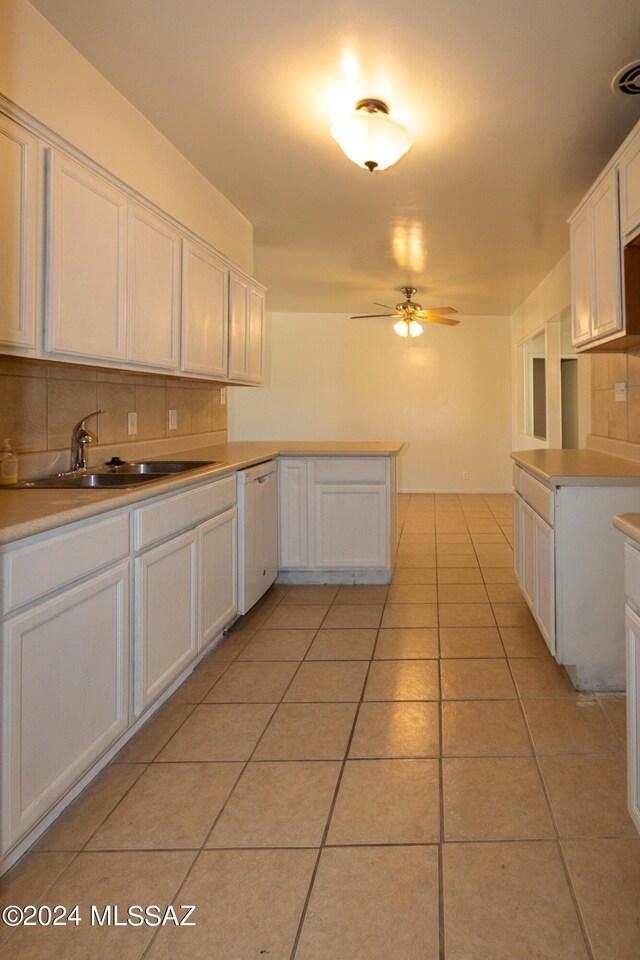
{"x":544,"y":311}
{"x":42,"y":73}
{"x":446,"y":394}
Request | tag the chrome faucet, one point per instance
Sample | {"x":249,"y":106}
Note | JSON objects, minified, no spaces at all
{"x":80,"y":437}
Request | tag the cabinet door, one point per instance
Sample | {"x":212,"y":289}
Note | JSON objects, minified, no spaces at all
{"x":545,"y":607}
{"x":65,"y":694}
{"x":629,"y":173}
{"x":581,"y":276}
{"x":86,"y":259}
{"x":246,"y":330}
{"x":166,"y":598}
{"x":607,"y":292}
{"x":154,"y":290}
{"x":18,"y":234}
{"x":219,"y":574}
{"x":633,"y":714}
{"x":293,"y":514}
{"x":350,"y":525}
{"x":204,"y":312}
{"x":517,"y":535}
{"x":528,"y":554}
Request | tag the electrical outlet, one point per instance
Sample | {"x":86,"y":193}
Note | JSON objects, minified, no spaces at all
{"x":465,"y":474}
{"x":173,"y":419}
{"x":620,"y":391}
{"x":132,"y":424}
{"x":223,"y":395}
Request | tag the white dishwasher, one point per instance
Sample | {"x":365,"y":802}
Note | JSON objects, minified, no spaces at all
{"x":257,"y":532}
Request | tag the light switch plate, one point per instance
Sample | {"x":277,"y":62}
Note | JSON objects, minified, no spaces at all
{"x":173,"y":419}
{"x":223,"y":396}
{"x":620,"y":391}
{"x":132,"y":424}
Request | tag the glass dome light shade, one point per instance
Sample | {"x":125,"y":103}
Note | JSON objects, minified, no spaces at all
{"x":401,"y":328}
{"x":371,"y":138}
{"x":415,"y":328}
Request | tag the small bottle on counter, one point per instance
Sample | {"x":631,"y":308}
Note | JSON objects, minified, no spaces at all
{"x":8,"y":465}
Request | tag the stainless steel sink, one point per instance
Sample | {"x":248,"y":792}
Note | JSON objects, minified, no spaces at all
{"x":123,"y":474}
{"x":159,"y":466}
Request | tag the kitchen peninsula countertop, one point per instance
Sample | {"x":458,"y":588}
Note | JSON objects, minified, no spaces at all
{"x":629,"y":524}
{"x":24,"y":513}
{"x":584,"y":467}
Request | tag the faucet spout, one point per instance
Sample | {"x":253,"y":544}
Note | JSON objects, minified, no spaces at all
{"x":80,"y":437}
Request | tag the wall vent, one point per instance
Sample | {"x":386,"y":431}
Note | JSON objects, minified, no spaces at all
{"x":627,"y":80}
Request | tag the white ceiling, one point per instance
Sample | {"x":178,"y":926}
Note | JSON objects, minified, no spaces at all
{"x":508,"y":100}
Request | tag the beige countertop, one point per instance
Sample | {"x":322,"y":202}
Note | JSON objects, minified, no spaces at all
{"x":629,"y":524}
{"x":24,"y":513}
{"x":582,"y":467}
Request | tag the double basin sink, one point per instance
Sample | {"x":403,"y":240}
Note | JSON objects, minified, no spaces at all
{"x":115,"y":474}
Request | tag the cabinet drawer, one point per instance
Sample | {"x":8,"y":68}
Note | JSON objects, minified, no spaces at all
{"x":350,"y":471}
{"x":537,"y":496}
{"x":33,"y":571}
{"x":164,"y":518}
{"x":517,"y":473}
{"x":632,"y":575}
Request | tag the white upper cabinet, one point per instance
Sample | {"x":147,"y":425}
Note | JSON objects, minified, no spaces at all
{"x":19,"y":152}
{"x":246,"y":330}
{"x":154,"y":289}
{"x":85,"y":263}
{"x":629,"y":171}
{"x":595,"y":265}
{"x":204,"y":312}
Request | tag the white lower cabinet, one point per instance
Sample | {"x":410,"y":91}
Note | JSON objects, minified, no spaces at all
{"x":166,"y":624}
{"x":65,"y":694}
{"x":336,"y":519}
{"x":569,"y":568}
{"x":633,"y":713}
{"x":218,"y":574}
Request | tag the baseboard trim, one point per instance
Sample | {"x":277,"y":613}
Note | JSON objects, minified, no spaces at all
{"x":456,"y":492}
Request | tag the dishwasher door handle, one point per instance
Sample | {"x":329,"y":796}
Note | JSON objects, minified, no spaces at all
{"x":263,"y":479}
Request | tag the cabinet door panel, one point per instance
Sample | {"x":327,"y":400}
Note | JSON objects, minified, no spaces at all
{"x":292,"y":491}
{"x":18,"y":234}
{"x":633,"y":714}
{"x":545,"y":611}
{"x":238,"y":328}
{"x":166,"y":585}
{"x":86,"y":263}
{"x":219,"y":570}
{"x":607,"y":313}
{"x":517,"y":535}
{"x":65,"y":694}
{"x":350,"y":523}
{"x":204,"y":312}
{"x":528,"y":554}
{"x":154,"y":290}
{"x":581,"y":278}
{"x":630,"y":187}
{"x":255,"y":352}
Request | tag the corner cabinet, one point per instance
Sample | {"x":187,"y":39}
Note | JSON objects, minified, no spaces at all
{"x":19,"y":232}
{"x":605,"y":220}
{"x":337,"y":519}
{"x":568,"y":564}
{"x":246,"y":330}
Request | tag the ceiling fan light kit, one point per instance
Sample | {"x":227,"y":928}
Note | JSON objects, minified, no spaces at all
{"x":370,"y":137}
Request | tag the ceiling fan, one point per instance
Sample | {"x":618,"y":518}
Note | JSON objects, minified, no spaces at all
{"x":408,"y":313}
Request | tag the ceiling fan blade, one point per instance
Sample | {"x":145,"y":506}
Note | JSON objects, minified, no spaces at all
{"x":367,"y":316}
{"x":387,"y":305}
{"x":426,"y":310}
{"x":433,"y":319}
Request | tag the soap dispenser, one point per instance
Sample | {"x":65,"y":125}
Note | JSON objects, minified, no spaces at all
{"x":8,"y":465}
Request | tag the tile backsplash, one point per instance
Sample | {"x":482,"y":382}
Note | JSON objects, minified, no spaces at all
{"x":618,"y":420}
{"x":40,"y":403}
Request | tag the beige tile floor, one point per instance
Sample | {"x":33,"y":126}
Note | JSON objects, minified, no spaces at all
{"x":358,"y":772}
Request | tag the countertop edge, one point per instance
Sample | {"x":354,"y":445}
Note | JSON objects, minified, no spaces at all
{"x":595,"y":478}
{"x":89,"y":504}
{"x":629,"y":525}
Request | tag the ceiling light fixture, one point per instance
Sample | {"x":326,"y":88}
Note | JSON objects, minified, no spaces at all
{"x":405,"y":327}
{"x":370,"y":137}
